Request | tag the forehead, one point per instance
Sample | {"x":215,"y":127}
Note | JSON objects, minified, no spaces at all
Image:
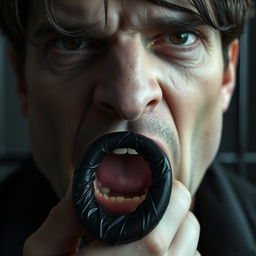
{"x":92,"y":7}
{"x":117,"y":12}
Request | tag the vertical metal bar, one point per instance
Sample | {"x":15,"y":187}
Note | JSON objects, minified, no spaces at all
{"x":243,"y":99}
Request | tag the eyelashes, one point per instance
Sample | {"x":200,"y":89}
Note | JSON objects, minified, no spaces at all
{"x":180,"y":38}
{"x":183,"y":38}
{"x":73,"y":44}
{"x":70,"y":44}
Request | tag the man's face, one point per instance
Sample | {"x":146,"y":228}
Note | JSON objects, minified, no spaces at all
{"x":141,"y":70}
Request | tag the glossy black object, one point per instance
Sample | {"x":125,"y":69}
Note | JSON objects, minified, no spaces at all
{"x":97,"y":221}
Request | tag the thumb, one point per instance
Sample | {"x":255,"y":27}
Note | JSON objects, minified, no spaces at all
{"x":59,"y":234}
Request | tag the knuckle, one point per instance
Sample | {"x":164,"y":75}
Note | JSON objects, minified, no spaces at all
{"x":26,"y":249}
{"x":183,"y":196}
{"x":54,"y":213}
{"x":182,"y":189}
{"x":29,"y":248}
{"x":154,"y":244}
{"x":193,"y":222}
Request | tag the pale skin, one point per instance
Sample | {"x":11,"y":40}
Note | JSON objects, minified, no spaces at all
{"x":137,"y":77}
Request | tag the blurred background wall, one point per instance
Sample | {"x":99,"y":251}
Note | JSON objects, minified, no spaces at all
{"x":238,"y":148}
{"x":14,"y":145}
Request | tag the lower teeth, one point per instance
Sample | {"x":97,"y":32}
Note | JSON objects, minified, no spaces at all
{"x":103,"y":192}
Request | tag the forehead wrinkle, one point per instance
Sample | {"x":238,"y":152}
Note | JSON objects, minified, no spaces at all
{"x":77,"y":12}
{"x":78,"y":7}
{"x":120,"y":17}
{"x":72,"y":17}
{"x":179,"y":5}
{"x":148,"y":17}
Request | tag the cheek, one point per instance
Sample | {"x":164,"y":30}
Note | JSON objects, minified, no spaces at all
{"x":56,"y":109}
{"x":59,"y":107}
{"x":206,"y":126}
{"x":189,"y":94}
{"x":194,"y":99}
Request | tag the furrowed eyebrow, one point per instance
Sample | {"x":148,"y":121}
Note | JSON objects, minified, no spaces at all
{"x":174,"y":23}
{"x":94,"y":31}
{"x":79,"y":30}
{"x":172,"y":6}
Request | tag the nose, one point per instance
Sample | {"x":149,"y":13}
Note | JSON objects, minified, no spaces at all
{"x":128,"y":85}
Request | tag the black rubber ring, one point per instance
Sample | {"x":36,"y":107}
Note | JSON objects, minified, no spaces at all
{"x":98,"y":222}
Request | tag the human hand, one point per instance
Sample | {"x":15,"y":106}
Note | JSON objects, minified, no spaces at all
{"x":176,"y":234}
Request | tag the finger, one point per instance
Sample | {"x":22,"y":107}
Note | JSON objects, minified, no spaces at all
{"x":186,"y":239}
{"x":59,"y":234}
{"x":158,"y":241}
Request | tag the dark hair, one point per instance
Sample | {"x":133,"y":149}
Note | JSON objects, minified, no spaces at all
{"x":227,"y":16}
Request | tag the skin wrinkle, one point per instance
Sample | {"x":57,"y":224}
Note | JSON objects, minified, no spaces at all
{"x":106,"y":12}
{"x":172,"y":141}
{"x":168,"y":134}
{"x":172,"y":106}
{"x":59,"y":22}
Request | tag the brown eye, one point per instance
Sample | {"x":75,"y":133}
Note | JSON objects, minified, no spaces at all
{"x":70,"y":44}
{"x":182,"y":38}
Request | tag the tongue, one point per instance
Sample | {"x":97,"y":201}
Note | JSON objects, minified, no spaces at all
{"x":124,"y":174}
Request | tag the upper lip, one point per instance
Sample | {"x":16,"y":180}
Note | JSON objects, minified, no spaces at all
{"x":151,"y":137}
{"x":159,"y":143}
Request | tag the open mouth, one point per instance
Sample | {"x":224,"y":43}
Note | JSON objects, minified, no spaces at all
{"x":122,"y":181}
{"x":122,"y":187}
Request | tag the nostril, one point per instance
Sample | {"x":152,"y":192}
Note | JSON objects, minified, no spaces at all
{"x":107,"y":107}
{"x":153,"y":103}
